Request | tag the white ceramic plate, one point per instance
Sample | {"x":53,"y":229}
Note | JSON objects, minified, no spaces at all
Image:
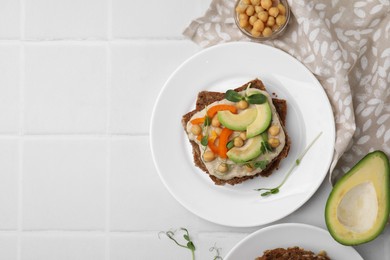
{"x":228,"y":66}
{"x":289,"y":235}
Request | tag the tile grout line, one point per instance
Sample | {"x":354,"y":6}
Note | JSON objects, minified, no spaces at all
{"x":108,"y":123}
{"x":21,"y":127}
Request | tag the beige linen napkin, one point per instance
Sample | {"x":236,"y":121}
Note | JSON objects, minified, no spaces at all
{"x":346,"y":45}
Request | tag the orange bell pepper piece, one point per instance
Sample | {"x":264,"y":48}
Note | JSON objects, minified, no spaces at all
{"x":223,"y":140}
{"x":197,"y":121}
{"x":212,"y":111}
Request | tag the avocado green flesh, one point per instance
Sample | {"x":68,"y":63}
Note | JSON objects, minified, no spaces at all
{"x":249,"y":151}
{"x":358,"y":206}
{"x":262,"y":121}
{"x":237,"y":122}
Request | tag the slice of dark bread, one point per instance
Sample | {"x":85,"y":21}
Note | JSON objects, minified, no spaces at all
{"x":292,"y":253}
{"x":206,"y":98}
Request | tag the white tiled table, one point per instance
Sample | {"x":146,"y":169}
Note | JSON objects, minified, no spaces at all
{"x":78,"y":80}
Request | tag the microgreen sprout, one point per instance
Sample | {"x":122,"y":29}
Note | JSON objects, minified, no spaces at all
{"x":217,"y":252}
{"x":270,"y":191}
{"x":234,"y":96}
{"x":189,"y":245}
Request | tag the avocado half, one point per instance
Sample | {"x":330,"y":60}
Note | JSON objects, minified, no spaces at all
{"x":358,"y":206}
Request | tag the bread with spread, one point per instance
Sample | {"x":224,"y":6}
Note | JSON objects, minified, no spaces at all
{"x":292,"y":253}
{"x":238,"y":135}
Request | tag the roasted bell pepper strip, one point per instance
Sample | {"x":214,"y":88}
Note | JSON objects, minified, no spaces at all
{"x":212,"y":146}
{"x":212,"y":111}
{"x":223,"y":140}
{"x":197,"y":121}
{"x":211,"y":142}
{"x":199,"y":137}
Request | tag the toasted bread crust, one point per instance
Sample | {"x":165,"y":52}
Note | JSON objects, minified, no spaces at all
{"x":206,"y":98}
{"x":292,"y":253}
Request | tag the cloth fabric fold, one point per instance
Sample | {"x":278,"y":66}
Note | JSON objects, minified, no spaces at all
{"x":346,"y":45}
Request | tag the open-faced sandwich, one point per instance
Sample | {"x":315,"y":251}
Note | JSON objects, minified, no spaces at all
{"x":292,"y":253}
{"x":239,"y":134}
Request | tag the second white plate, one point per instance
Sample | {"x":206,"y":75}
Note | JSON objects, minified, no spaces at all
{"x":228,"y":66}
{"x":289,"y":235}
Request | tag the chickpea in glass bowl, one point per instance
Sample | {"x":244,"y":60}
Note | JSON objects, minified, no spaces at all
{"x":262,"y":19}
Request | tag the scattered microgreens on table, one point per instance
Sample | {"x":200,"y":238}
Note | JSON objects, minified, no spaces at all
{"x":270,"y":191}
{"x":217,"y":253}
{"x":189,"y":245}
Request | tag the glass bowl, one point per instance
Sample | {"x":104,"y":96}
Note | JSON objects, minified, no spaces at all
{"x":275,"y":31}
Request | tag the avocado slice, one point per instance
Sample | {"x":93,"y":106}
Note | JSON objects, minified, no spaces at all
{"x":250,"y":150}
{"x":358,"y":206}
{"x":237,"y":122}
{"x":261,"y":122}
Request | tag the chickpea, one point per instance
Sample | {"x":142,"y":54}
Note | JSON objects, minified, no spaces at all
{"x":267,"y":32}
{"x":255,"y":33}
{"x":247,"y":2}
{"x":258,"y":9}
{"x":271,"y":21}
{"x":258,"y":25}
{"x":252,"y":19}
{"x":275,"y":27}
{"x":218,"y":130}
{"x":263,"y":15}
{"x":215,"y":122}
{"x":241,"y":8}
{"x":243,"y":16}
{"x":196,"y":129}
{"x":282,"y":9}
{"x":243,"y":136}
{"x":273,"y":142}
{"x":242,"y":104}
{"x":248,"y":167}
{"x":248,"y":28}
{"x":280,"y":20}
{"x":238,"y":142}
{"x":273,"y":11}
{"x":244,"y":23}
{"x":208,"y":156}
{"x":266,"y":4}
{"x":250,"y":10}
{"x":255,"y":2}
{"x":223,"y":167}
{"x":274,"y":130}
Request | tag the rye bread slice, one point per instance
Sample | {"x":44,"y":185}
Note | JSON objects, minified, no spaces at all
{"x":292,"y":253}
{"x":206,"y":98}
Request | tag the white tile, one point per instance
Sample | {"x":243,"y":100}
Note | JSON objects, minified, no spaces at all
{"x":9,"y":175}
{"x":143,"y":246}
{"x":10,"y":19}
{"x":8,"y":247}
{"x":139,"y":70}
{"x":64,"y":184}
{"x":152,"y":18}
{"x":54,"y":19}
{"x":139,"y":201}
{"x":210,"y":245}
{"x":63,"y":247}
{"x":10,"y":87}
{"x":65,"y":88}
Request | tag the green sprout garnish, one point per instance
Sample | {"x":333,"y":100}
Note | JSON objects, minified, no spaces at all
{"x":234,"y":96}
{"x":270,"y":191}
